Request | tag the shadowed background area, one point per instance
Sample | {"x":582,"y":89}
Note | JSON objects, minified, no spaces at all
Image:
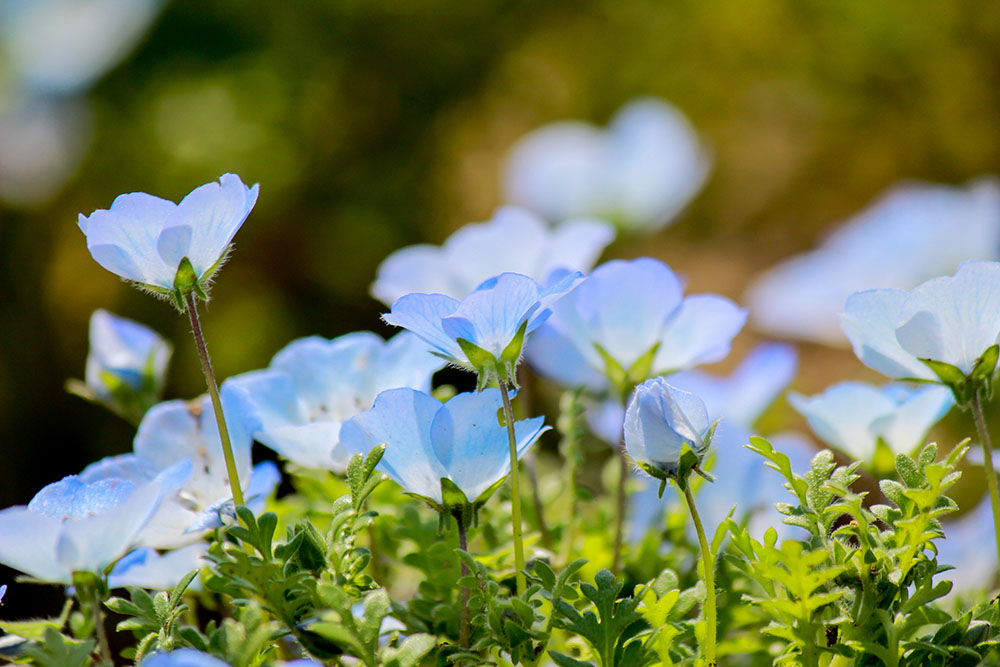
{"x":373,"y":125}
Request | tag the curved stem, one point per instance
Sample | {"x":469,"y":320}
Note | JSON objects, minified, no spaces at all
{"x":709,"y":567}
{"x":515,"y":490}
{"x":213,"y":391}
{"x":463,"y":632}
{"x":991,"y":475}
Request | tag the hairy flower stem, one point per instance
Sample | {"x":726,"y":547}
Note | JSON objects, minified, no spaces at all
{"x":708,"y":563}
{"x":463,"y":602}
{"x":101,"y":632}
{"x":620,"y":501}
{"x":991,"y":475}
{"x":213,"y":391}
{"x":515,"y":490}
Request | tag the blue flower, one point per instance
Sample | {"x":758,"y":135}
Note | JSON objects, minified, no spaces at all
{"x":953,"y":320}
{"x":126,"y":365}
{"x":3,"y":591}
{"x":640,"y":172}
{"x":970,"y":547}
{"x":178,"y":431}
{"x":910,"y":234}
{"x":145,"y":568}
{"x":182,"y":657}
{"x":297,"y":405}
{"x":628,"y":321}
{"x":427,"y":441}
{"x":75,"y":526}
{"x":660,"y":421}
{"x":485,"y":331}
{"x":514,"y":240}
{"x":145,"y":239}
{"x":853,"y":416}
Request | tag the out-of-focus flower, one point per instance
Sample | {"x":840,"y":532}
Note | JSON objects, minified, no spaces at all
{"x":182,"y":657}
{"x":952,"y":320}
{"x":853,"y":416}
{"x":969,"y":546}
{"x":176,"y":431}
{"x":514,"y":240}
{"x":3,"y":591}
{"x":911,"y":234}
{"x":485,"y":331}
{"x":639,"y":172}
{"x":126,"y":365}
{"x":297,"y":405}
{"x":77,"y":526}
{"x":145,"y":568}
{"x":146,"y":239}
{"x":660,"y":421}
{"x":628,"y":321}
{"x":427,"y":441}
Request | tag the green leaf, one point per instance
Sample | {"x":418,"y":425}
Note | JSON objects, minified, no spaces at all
{"x":480,"y":359}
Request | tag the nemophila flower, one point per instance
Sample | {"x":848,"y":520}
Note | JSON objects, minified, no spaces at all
{"x":854,"y":416}
{"x":485,"y":331}
{"x":514,"y":240}
{"x":146,"y":568}
{"x":182,"y":657}
{"x":951,"y":320}
{"x":170,"y":248}
{"x":297,"y":405}
{"x":126,"y":365}
{"x":970,"y":549}
{"x":660,"y":422}
{"x":628,"y":321}
{"x":78,"y":526}
{"x":910,"y":234}
{"x":639,"y":172}
{"x":176,"y":431}
{"x":427,"y":441}
{"x":3,"y":591}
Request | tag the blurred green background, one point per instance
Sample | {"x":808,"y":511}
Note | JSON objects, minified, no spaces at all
{"x":373,"y":125}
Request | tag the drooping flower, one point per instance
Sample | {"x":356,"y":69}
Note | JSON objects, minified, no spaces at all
{"x":853,"y":416}
{"x":514,"y":240}
{"x":660,"y":421}
{"x":951,"y":320}
{"x":146,"y":239}
{"x":146,"y":568}
{"x":297,"y":405}
{"x":639,"y":172}
{"x":485,"y":331}
{"x":628,"y":321}
{"x":426,"y":441}
{"x":77,"y":526}
{"x":182,"y":657}
{"x":910,"y":234}
{"x":176,"y":431}
{"x":126,"y":365}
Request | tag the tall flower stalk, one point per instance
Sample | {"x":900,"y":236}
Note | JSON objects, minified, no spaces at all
{"x":515,"y":490}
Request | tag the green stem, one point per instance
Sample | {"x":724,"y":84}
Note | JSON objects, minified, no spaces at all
{"x":515,"y":490}
{"x":709,"y":567}
{"x":213,"y":391}
{"x":991,"y":475}
{"x":464,"y":632}
{"x":620,"y":502}
{"x":101,"y":632}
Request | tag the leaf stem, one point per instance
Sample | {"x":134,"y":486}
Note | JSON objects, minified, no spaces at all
{"x":464,"y":632}
{"x":991,"y":475}
{"x":709,"y":574}
{"x":515,"y":490}
{"x":213,"y":391}
{"x":100,"y":631}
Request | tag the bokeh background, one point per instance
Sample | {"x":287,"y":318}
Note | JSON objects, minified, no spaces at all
{"x":377,"y":124}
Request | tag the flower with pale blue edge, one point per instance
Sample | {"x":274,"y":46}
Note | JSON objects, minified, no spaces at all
{"x":171,"y":249}
{"x":485,"y":331}
{"x":3,"y":591}
{"x":78,"y":526}
{"x":297,"y":405}
{"x":146,"y":568}
{"x":628,"y":321}
{"x":514,"y":240}
{"x":126,"y":365}
{"x":177,"y":431}
{"x":640,"y":172}
{"x":854,"y":416}
{"x":661,"y":423}
{"x":969,"y":549}
{"x":182,"y":657}
{"x":950,"y":321}
{"x":912,"y":233}
{"x":449,"y":454}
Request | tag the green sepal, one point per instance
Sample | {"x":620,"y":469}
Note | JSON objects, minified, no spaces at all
{"x":480,"y":359}
{"x":986,"y":364}
{"x":687,"y":463}
{"x":643,"y":367}
{"x":653,"y":471}
{"x":488,"y":493}
{"x":451,"y":495}
{"x":512,"y":353}
{"x":953,"y":378}
{"x":613,"y":370}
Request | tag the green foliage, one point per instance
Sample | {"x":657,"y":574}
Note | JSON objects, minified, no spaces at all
{"x":155,"y":619}
{"x":56,"y":650}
